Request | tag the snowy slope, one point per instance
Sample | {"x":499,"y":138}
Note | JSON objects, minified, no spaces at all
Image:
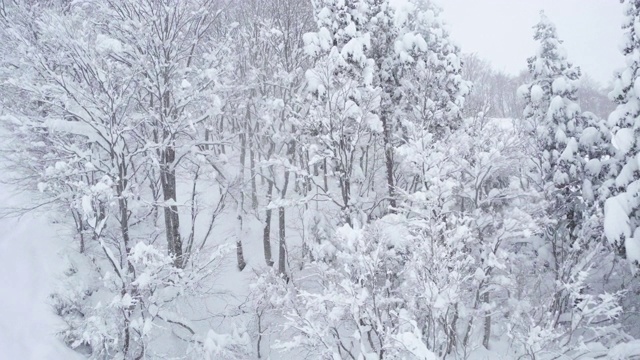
{"x":29,"y":264}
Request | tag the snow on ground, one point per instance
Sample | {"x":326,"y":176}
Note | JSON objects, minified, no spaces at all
{"x":29,"y":265}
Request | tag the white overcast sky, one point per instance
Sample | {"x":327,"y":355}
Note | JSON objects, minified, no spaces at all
{"x":501,"y":31}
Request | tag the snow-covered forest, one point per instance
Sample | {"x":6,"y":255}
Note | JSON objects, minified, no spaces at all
{"x":309,"y":179}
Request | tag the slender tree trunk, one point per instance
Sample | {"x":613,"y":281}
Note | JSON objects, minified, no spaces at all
{"x":240,"y":205}
{"x":453,"y":333}
{"x":239,"y":250}
{"x":345,"y":188}
{"x":82,"y":246}
{"x":307,"y":180}
{"x":194,"y":215}
{"x":77,"y":217}
{"x":388,"y":157}
{"x":121,"y":186}
{"x":258,"y":343}
{"x":222,"y":147}
{"x":168,"y":171}
{"x":123,"y":206}
{"x":127,"y":336}
{"x":282,"y":247}
{"x":266,"y":238}
{"x":252,"y":164}
{"x":171,"y":216}
{"x":155,"y":193}
{"x":487,"y":323}
{"x":476,"y":305}
{"x":281,"y":214}
{"x":325,"y":175}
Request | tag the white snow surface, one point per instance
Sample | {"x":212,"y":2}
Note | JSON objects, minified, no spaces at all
{"x":106,"y":44}
{"x":29,"y":265}
{"x":536,"y":93}
{"x":624,"y":140}
{"x":589,"y":136}
{"x":616,"y":220}
{"x":632,"y":246}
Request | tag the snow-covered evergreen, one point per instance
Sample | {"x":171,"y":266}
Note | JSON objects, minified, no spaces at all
{"x":622,"y":221}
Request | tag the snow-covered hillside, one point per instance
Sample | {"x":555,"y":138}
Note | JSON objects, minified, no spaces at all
{"x":30,"y":267}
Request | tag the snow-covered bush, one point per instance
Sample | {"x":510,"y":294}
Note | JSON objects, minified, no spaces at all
{"x":120,"y":312}
{"x":349,"y":302}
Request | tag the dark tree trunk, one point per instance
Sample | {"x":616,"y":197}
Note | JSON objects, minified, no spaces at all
{"x":388,"y":157}
{"x":266,"y":238}
{"x":487,"y":323}
{"x":239,"y":250}
{"x":171,"y":216}
{"x":281,"y":215}
{"x":252,"y":164}
{"x":282,"y":247}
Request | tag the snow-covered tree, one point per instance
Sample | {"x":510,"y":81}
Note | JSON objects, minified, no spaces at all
{"x":422,"y":90}
{"x":180,"y":72}
{"x":551,"y":112}
{"x":622,"y":208}
{"x":407,"y":76}
{"x":434,"y":92}
{"x":568,"y":153}
{"x":431,"y":88}
{"x":472,"y":207}
{"x":350,"y":302}
{"x":341,"y":118}
{"x":89,"y":142}
{"x":553,"y":121}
